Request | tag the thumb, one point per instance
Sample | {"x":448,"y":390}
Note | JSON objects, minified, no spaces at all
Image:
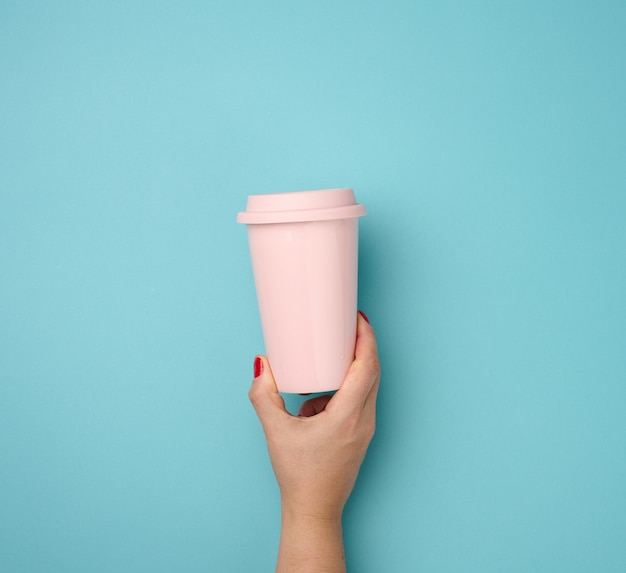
{"x":263,"y":393}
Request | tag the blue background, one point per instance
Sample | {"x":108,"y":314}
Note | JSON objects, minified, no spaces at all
{"x":488,"y":141}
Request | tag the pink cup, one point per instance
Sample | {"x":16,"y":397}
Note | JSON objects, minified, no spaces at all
{"x":304,"y":249}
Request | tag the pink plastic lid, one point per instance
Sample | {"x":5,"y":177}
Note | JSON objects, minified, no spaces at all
{"x":299,"y":206}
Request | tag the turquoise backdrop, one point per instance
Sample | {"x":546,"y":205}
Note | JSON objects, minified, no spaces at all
{"x":488,"y":141}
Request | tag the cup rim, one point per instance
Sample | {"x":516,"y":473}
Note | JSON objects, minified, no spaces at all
{"x":301,"y":206}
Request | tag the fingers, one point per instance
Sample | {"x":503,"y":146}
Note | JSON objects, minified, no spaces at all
{"x":360,"y":385}
{"x":358,"y":390}
{"x":366,"y":348}
{"x":314,"y":406}
{"x":263,"y":393}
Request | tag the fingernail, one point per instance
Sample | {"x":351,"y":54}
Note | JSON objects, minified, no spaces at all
{"x":258,"y":367}
{"x":364,"y":316}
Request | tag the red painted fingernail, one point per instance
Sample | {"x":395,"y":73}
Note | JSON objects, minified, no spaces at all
{"x":364,"y":316}
{"x":258,"y":367}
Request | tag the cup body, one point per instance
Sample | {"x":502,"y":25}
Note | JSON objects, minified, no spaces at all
{"x":305,"y":274}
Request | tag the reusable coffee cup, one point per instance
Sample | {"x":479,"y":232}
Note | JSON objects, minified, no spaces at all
{"x":304,"y":250}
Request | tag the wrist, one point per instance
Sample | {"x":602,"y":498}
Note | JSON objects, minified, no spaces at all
{"x":318,"y":518}
{"x":314,"y":509}
{"x":310,"y":542}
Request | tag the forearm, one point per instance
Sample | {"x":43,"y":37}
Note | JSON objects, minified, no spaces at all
{"x":310,"y":544}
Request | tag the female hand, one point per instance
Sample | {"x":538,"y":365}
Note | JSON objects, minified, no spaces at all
{"x":316,"y":455}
